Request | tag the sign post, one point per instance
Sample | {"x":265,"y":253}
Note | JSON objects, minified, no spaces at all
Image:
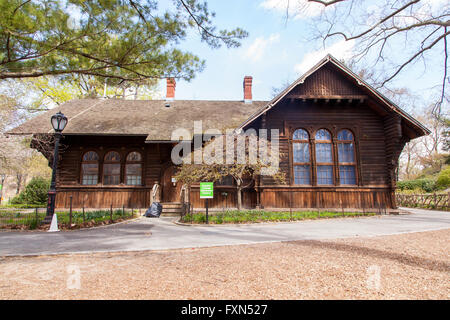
{"x":206,"y":192}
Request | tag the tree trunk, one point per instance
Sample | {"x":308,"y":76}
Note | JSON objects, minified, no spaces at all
{"x":19,"y":182}
{"x":239,"y":195}
{"x":408,"y":163}
{"x":136,"y":93}
{"x":188,"y":194}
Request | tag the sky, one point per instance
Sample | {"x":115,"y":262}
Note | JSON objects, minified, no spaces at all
{"x":270,"y":54}
{"x":276,"y":53}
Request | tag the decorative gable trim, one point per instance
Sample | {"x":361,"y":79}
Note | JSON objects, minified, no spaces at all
{"x":329,"y":58}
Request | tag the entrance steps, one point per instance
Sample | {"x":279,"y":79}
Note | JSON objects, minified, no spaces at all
{"x":171,"y":208}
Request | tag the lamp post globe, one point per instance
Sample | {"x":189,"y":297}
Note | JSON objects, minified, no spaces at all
{"x":59,"y":122}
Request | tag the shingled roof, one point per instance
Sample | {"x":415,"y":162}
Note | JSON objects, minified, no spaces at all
{"x":151,"y":118}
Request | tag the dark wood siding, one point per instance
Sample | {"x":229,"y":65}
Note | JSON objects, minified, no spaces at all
{"x":328,"y":99}
{"x":155,"y":158}
{"x":332,"y":198}
{"x":367,"y":126}
{"x":224,"y":201}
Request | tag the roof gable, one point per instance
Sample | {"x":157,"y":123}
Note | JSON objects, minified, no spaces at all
{"x":325,"y":82}
{"x":331,"y":79}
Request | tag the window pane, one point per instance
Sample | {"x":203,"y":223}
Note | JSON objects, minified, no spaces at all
{"x":300,"y":134}
{"x":301,"y":152}
{"x":346,"y":152}
{"x":133,"y":169}
{"x":111,"y":173}
{"x":323,"y":152}
{"x":90,"y":168}
{"x":324,"y":175}
{"x":134,"y":156}
{"x":112,"y":156}
{"x":133,"y":173}
{"x":90,"y":156}
{"x":347,"y":174}
{"x":345,"y":135}
{"x":89,"y":173}
{"x":134,"y":180}
{"x":302,"y":175}
{"x":323,"y":135}
{"x":89,"y":179}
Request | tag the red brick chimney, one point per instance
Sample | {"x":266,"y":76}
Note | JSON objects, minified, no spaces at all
{"x":248,"y":89}
{"x":171,"y":84}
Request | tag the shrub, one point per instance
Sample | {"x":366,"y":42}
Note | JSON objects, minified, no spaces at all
{"x":443,"y":180}
{"x":425,"y":184}
{"x":19,"y":199}
{"x":35,"y":192}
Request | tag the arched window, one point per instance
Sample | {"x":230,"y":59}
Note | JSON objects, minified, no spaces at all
{"x":324,"y":157}
{"x":89,"y":168}
{"x":301,"y":157}
{"x":346,"y":156}
{"x":111,"y":168}
{"x":133,"y":169}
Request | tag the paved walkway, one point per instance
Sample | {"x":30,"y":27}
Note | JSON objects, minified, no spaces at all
{"x":161,"y":234}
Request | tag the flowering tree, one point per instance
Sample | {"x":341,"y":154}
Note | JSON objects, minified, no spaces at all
{"x":240,"y":162}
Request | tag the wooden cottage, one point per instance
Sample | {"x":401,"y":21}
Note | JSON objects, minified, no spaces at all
{"x":341,"y":140}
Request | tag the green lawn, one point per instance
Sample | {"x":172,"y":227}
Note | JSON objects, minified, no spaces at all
{"x":265,"y":216}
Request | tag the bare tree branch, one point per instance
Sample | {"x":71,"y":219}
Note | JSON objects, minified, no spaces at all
{"x":326,"y":3}
{"x":437,"y":108}
{"x":377,"y":32}
{"x":347,"y":38}
{"x":414,"y":57}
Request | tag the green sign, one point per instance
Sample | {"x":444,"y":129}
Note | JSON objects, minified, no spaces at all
{"x":206,"y":190}
{"x":1,"y":186}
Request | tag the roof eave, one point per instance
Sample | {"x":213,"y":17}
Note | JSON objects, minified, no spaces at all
{"x":394,"y":107}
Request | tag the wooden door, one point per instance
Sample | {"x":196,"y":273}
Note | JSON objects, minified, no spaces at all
{"x":170,"y":192}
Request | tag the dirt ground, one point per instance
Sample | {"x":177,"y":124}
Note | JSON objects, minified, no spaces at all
{"x":407,"y":266}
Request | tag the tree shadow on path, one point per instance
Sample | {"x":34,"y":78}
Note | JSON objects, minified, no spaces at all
{"x":402,"y":258}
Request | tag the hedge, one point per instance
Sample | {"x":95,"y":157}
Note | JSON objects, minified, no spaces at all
{"x":443,"y":180}
{"x":427,"y":185}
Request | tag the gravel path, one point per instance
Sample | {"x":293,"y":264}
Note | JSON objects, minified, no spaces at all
{"x":405,"y":266}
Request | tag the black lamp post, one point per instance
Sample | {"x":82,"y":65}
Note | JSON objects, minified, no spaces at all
{"x":59,"y":122}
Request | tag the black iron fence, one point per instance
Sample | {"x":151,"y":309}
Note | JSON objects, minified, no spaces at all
{"x":19,"y":218}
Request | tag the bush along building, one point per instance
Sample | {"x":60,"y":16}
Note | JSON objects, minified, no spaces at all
{"x":339,"y":138}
